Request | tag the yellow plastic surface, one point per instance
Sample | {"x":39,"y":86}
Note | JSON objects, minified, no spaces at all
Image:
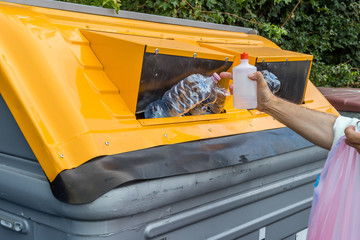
{"x":72,"y":107}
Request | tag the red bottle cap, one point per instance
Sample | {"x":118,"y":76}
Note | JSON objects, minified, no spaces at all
{"x":244,"y":56}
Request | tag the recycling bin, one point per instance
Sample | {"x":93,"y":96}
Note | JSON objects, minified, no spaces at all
{"x":78,"y":159}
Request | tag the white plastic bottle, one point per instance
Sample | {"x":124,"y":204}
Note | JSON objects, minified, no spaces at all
{"x":245,"y":93}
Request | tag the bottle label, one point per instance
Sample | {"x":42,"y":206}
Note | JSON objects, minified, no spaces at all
{"x":202,"y":83}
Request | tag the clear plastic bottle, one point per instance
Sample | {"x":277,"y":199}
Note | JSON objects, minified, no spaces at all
{"x":245,"y":92}
{"x":189,"y":92}
{"x":222,"y":95}
{"x":214,"y":107}
{"x":159,"y":109}
{"x":202,"y":107}
{"x":272,"y":81}
{"x":183,"y":96}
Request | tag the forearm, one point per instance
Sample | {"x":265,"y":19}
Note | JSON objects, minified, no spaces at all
{"x":315,"y":126}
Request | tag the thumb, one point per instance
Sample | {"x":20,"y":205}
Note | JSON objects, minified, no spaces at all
{"x":352,"y":138}
{"x":351,"y":134}
{"x":258,"y":77}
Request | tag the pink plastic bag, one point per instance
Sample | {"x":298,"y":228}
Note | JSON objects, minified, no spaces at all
{"x":335,"y":213}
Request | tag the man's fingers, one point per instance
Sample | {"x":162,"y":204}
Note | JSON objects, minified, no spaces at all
{"x":352,"y":138}
{"x":231,"y":88}
{"x":351,"y":135}
{"x":227,"y":75}
{"x":258,"y":77}
{"x":253,"y":76}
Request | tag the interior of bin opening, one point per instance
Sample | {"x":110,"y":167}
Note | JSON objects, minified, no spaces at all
{"x":292,"y":75}
{"x":160,"y":72}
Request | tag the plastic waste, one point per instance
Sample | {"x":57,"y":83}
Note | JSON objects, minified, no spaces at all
{"x":335,"y":212}
{"x":202,"y":107}
{"x":222,"y":94}
{"x":272,"y":81}
{"x":159,"y":109}
{"x":245,"y":93}
{"x":189,"y":92}
{"x":183,"y":96}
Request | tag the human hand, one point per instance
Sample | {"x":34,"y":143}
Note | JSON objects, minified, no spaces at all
{"x":352,"y":138}
{"x":264,"y":95}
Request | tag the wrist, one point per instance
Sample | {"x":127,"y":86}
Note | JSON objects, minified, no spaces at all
{"x":269,"y":104}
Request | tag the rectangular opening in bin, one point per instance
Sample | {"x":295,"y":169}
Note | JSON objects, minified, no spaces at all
{"x":160,"y":72}
{"x":292,"y":75}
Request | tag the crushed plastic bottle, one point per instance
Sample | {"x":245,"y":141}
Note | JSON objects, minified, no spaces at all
{"x":272,"y":81}
{"x":183,"y":96}
{"x":222,"y":95}
{"x":159,"y":109}
{"x":199,"y":109}
{"x":213,"y":107}
{"x":202,"y":107}
{"x":190,"y":92}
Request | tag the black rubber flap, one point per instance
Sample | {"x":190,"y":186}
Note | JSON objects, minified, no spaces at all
{"x":160,"y":72}
{"x":98,"y":176}
{"x":292,"y":75}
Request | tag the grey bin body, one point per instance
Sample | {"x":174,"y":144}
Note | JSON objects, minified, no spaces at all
{"x":227,"y":203}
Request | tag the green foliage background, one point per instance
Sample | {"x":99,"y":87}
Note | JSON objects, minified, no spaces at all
{"x":327,"y":29}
